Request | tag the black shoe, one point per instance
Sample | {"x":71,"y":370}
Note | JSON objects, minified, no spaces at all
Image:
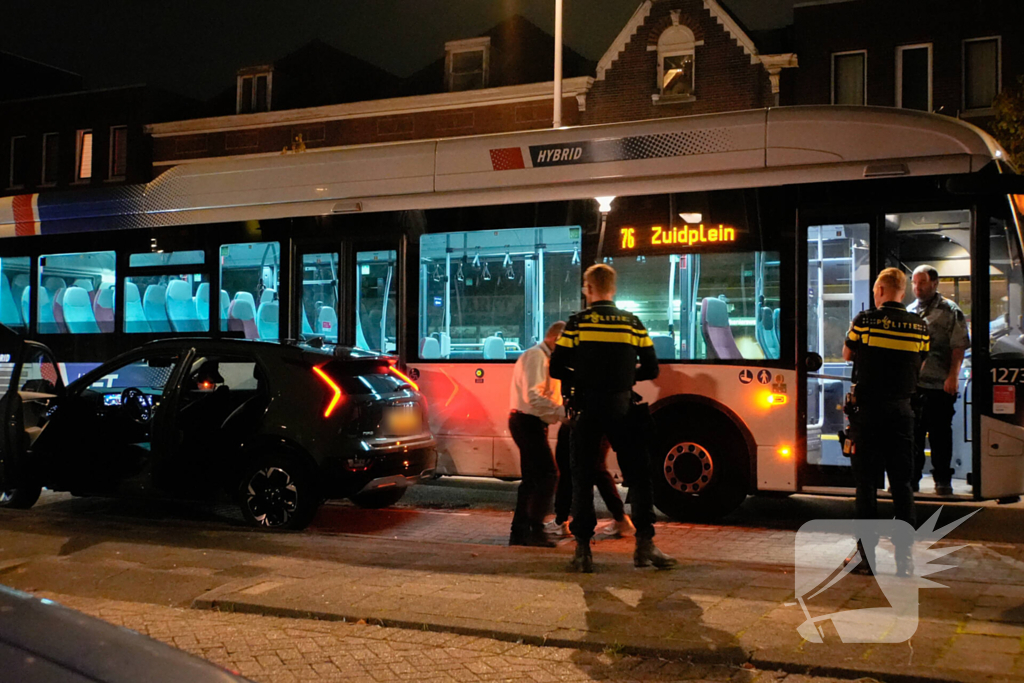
{"x":646,"y":554}
{"x":583,"y":560}
{"x":943,"y":490}
{"x":534,"y":540}
{"x":860,"y":556}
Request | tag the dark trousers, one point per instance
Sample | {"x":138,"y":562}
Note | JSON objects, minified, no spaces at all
{"x":934,"y":410}
{"x":884,"y":434}
{"x":539,"y":473}
{"x":612,"y":416}
{"x":602,"y":477}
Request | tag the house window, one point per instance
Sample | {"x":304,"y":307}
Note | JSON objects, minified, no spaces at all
{"x":254,"y":87}
{"x":981,"y":72}
{"x":849,"y":77}
{"x":118,"y":157}
{"x":914,"y":77}
{"x":51,"y":158}
{"x":676,"y":77}
{"x":19,"y":162}
{"x":83,"y":155}
{"x":467,"y":63}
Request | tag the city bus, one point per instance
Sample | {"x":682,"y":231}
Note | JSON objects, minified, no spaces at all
{"x":745,"y":241}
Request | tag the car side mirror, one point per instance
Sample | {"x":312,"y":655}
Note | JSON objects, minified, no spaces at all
{"x":813,"y":361}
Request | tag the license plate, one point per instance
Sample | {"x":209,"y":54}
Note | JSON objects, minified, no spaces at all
{"x":402,"y":420}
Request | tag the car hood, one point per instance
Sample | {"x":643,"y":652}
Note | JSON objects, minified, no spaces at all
{"x":89,"y":648}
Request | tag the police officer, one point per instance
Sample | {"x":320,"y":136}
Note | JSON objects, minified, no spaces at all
{"x":887,"y":346}
{"x":599,"y":354}
{"x":934,"y":404}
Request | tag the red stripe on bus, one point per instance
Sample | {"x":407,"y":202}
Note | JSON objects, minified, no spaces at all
{"x":24,"y":217}
{"x":507,"y":159}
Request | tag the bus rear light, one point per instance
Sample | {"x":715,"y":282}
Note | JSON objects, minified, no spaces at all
{"x":777,"y":399}
{"x":333,"y":387}
{"x":404,"y":377}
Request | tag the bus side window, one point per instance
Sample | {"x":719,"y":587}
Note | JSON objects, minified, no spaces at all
{"x":249,"y":273}
{"x":376,"y":301}
{"x":14,"y":282}
{"x":69,"y":288}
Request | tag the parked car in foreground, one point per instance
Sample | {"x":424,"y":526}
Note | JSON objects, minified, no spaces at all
{"x":278,"y":426}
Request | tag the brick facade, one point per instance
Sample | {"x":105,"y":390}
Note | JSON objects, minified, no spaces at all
{"x":726,"y":78}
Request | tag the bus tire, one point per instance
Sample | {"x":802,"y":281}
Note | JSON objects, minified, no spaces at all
{"x":700,"y":466}
{"x":380,"y":498}
{"x":21,"y":498}
{"x":278,"y":492}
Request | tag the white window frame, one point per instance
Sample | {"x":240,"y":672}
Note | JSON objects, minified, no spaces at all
{"x":110,"y":154}
{"x":832,"y":88}
{"x":10,"y":175}
{"x":675,"y":48}
{"x":963,"y":71}
{"x":79,"y":149}
{"x":900,"y":49}
{"x":42,"y":174}
{"x":454,"y":47}
{"x":254,"y":73}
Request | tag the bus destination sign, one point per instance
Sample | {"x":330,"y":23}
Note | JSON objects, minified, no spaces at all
{"x":659,"y":238}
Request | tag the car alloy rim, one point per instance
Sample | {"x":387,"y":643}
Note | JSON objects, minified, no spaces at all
{"x":271,"y":496}
{"x":6,"y":496}
{"x":688,"y":467}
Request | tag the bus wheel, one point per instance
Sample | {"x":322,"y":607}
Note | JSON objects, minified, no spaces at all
{"x":21,"y":498}
{"x":700,"y":466}
{"x":381,"y":498}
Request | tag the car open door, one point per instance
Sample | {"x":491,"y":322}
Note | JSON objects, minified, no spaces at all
{"x":33,"y":385}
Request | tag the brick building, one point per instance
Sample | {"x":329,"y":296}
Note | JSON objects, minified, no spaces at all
{"x":949,"y":56}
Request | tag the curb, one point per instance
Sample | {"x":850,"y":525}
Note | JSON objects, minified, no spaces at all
{"x":733,"y":656}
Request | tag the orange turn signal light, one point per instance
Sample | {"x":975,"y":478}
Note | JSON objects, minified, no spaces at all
{"x":785,"y":452}
{"x":334,"y":387}
{"x":777,"y":399}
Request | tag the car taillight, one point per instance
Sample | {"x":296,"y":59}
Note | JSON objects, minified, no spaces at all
{"x":332,"y":385}
{"x":404,"y":377}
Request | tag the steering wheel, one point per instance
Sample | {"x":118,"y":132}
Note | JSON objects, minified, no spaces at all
{"x":137,"y":404}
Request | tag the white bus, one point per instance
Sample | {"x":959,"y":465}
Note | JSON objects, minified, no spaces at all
{"x":745,"y":241}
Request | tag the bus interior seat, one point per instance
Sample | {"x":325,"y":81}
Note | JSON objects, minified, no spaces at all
{"x":10,"y":313}
{"x":154,"y":303}
{"x":268,"y":296}
{"x":327,"y":324}
{"x":202,"y":300}
{"x":103,"y":309}
{"x":769,"y":340}
{"x":18,"y":285}
{"x":430,"y":348}
{"x":245,"y":296}
{"x":446,"y":344}
{"x":54,"y":283}
{"x":83,"y":282}
{"x":714,"y":319}
{"x":134,"y":315}
{"x":307,"y":329}
{"x":26,"y":303}
{"x":58,"y":310}
{"x":181,"y":307}
{"x":47,"y":323}
{"x":266,"y":320}
{"x":664,"y":346}
{"x":242,"y":318}
{"x":77,"y":309}
{"x":775,"y":324}
{"x":225,"y":304}
{"x":494,"y":348}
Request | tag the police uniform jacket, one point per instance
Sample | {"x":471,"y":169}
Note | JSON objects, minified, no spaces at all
{"x":600,"y":350}
{"x":889,"y":345}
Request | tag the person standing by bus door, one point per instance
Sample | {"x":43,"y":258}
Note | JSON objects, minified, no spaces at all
{"x":935,"y":401}
{"x":604,"y":351}
{"x":887,"y":346}
{"x":535,"y":402}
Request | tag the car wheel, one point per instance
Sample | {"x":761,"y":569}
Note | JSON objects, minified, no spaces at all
{"x":278,"y":493}
{"x":700,"y":466}
{"x":381,"y":498}
{"x":21,"y":498}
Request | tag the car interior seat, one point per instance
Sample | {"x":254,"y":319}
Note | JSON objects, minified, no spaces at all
{"x":494,"y":348}
{"x":181,"y":307}
{"x":154,"y":303}
{"x":242,"y":317}
{"x":78,"y":315}
{"x":134,"y":314}
{"x":103,"y":308}
{"x":714,"y":320}
{"x":266,"y":320}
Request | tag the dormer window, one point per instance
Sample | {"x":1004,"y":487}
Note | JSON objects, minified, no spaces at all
{"x":253,"y":93}
{"x":676,"y":62}
{"x":466,"y":64}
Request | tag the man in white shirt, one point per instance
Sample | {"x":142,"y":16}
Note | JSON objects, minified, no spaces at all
{"x":535,"y":401}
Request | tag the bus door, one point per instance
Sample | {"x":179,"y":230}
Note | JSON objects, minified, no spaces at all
{"x":316,"y":297}
{"x":376,"y":298}
{"x":838,"y":288}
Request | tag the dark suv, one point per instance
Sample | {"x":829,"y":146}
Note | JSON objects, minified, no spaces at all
{"x":280,"y":427}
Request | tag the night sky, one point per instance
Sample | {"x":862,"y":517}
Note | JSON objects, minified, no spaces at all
{"x":195,"y":48}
